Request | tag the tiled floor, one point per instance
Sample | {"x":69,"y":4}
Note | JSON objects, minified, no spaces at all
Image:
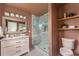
{"x":35,"y":52}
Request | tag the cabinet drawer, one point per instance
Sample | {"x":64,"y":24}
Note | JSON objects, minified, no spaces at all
{"x":13,"y":42}
{"x":4,"y":43}
{"x":25,"y":47}
{"x":9,"y":51}
{"x":23,"y":41}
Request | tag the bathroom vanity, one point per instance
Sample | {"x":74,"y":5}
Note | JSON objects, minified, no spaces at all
{"x":14,"y":46}
{"x":16,"y":40}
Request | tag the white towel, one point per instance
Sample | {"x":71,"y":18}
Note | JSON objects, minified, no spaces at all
{"x":1,"y":32}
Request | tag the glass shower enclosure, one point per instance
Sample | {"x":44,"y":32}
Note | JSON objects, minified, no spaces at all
{"x":40,"y":31}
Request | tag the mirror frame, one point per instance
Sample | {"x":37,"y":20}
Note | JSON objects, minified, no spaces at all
{"x":17,"y":20}
{"x":22,"y":23}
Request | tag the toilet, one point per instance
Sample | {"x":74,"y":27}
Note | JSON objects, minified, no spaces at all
{"x":68,"y":45}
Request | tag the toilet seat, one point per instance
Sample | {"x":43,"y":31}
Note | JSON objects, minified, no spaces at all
{"x":66,"y":52}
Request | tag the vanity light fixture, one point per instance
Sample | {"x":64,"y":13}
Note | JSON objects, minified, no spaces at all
{"x":6,"y":13}
{"x":24,"y":17}
{"x":21,"y":16}
{"x":17,"y":15}
{"x":12,"y":14}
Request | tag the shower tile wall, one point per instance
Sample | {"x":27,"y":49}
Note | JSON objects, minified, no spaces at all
{"x":40,"y":38}
{"x":44,"y":34}
{"x":35,"y":30}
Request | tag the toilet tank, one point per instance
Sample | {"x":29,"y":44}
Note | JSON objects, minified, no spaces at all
{"x":68,"y":43}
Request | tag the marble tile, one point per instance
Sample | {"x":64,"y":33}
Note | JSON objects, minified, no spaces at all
{"x":37,"y":34}
{"x":35,"y":52}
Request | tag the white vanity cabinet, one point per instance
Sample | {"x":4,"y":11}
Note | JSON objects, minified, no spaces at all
{"x":14,"y":46}
{"x":9,"y":51}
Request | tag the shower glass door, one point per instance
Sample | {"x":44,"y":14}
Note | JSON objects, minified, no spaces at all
{"x":40,"y":32}
{"x":43,"y":31}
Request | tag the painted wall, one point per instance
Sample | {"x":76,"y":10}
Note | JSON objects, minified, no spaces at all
{"x":1,"y":13}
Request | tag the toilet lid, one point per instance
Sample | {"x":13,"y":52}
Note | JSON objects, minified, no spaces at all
{"x":66,"y":52}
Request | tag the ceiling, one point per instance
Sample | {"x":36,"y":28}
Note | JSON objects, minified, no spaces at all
{"x":34,"y":8}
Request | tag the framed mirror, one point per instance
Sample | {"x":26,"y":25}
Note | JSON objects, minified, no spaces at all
{"x":11,"y":26}
{"x":22,"y":27}
{"x":14,"y":25}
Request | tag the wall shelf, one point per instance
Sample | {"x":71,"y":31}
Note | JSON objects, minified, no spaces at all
{"x":68,"y":28}
{"x":68,"y":18}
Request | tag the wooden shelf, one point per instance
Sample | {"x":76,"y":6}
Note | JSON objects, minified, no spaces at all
{"x":68,"y":18}
{"x":68,"y":29}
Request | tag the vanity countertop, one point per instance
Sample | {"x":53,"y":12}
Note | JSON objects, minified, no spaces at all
{"x":11,"y":38}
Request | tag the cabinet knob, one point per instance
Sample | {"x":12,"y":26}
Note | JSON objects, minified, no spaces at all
{"x":18,"y":46}
{"x":18,"y":51}
{"x":18,"y":42}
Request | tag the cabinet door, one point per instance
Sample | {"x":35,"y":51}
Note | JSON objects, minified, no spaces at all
{"x":24,"y":49}
{"x":25,"y":46}
{"x":9,"y":51}
{"x":3,"y":43}
{"x":18,"y":49}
